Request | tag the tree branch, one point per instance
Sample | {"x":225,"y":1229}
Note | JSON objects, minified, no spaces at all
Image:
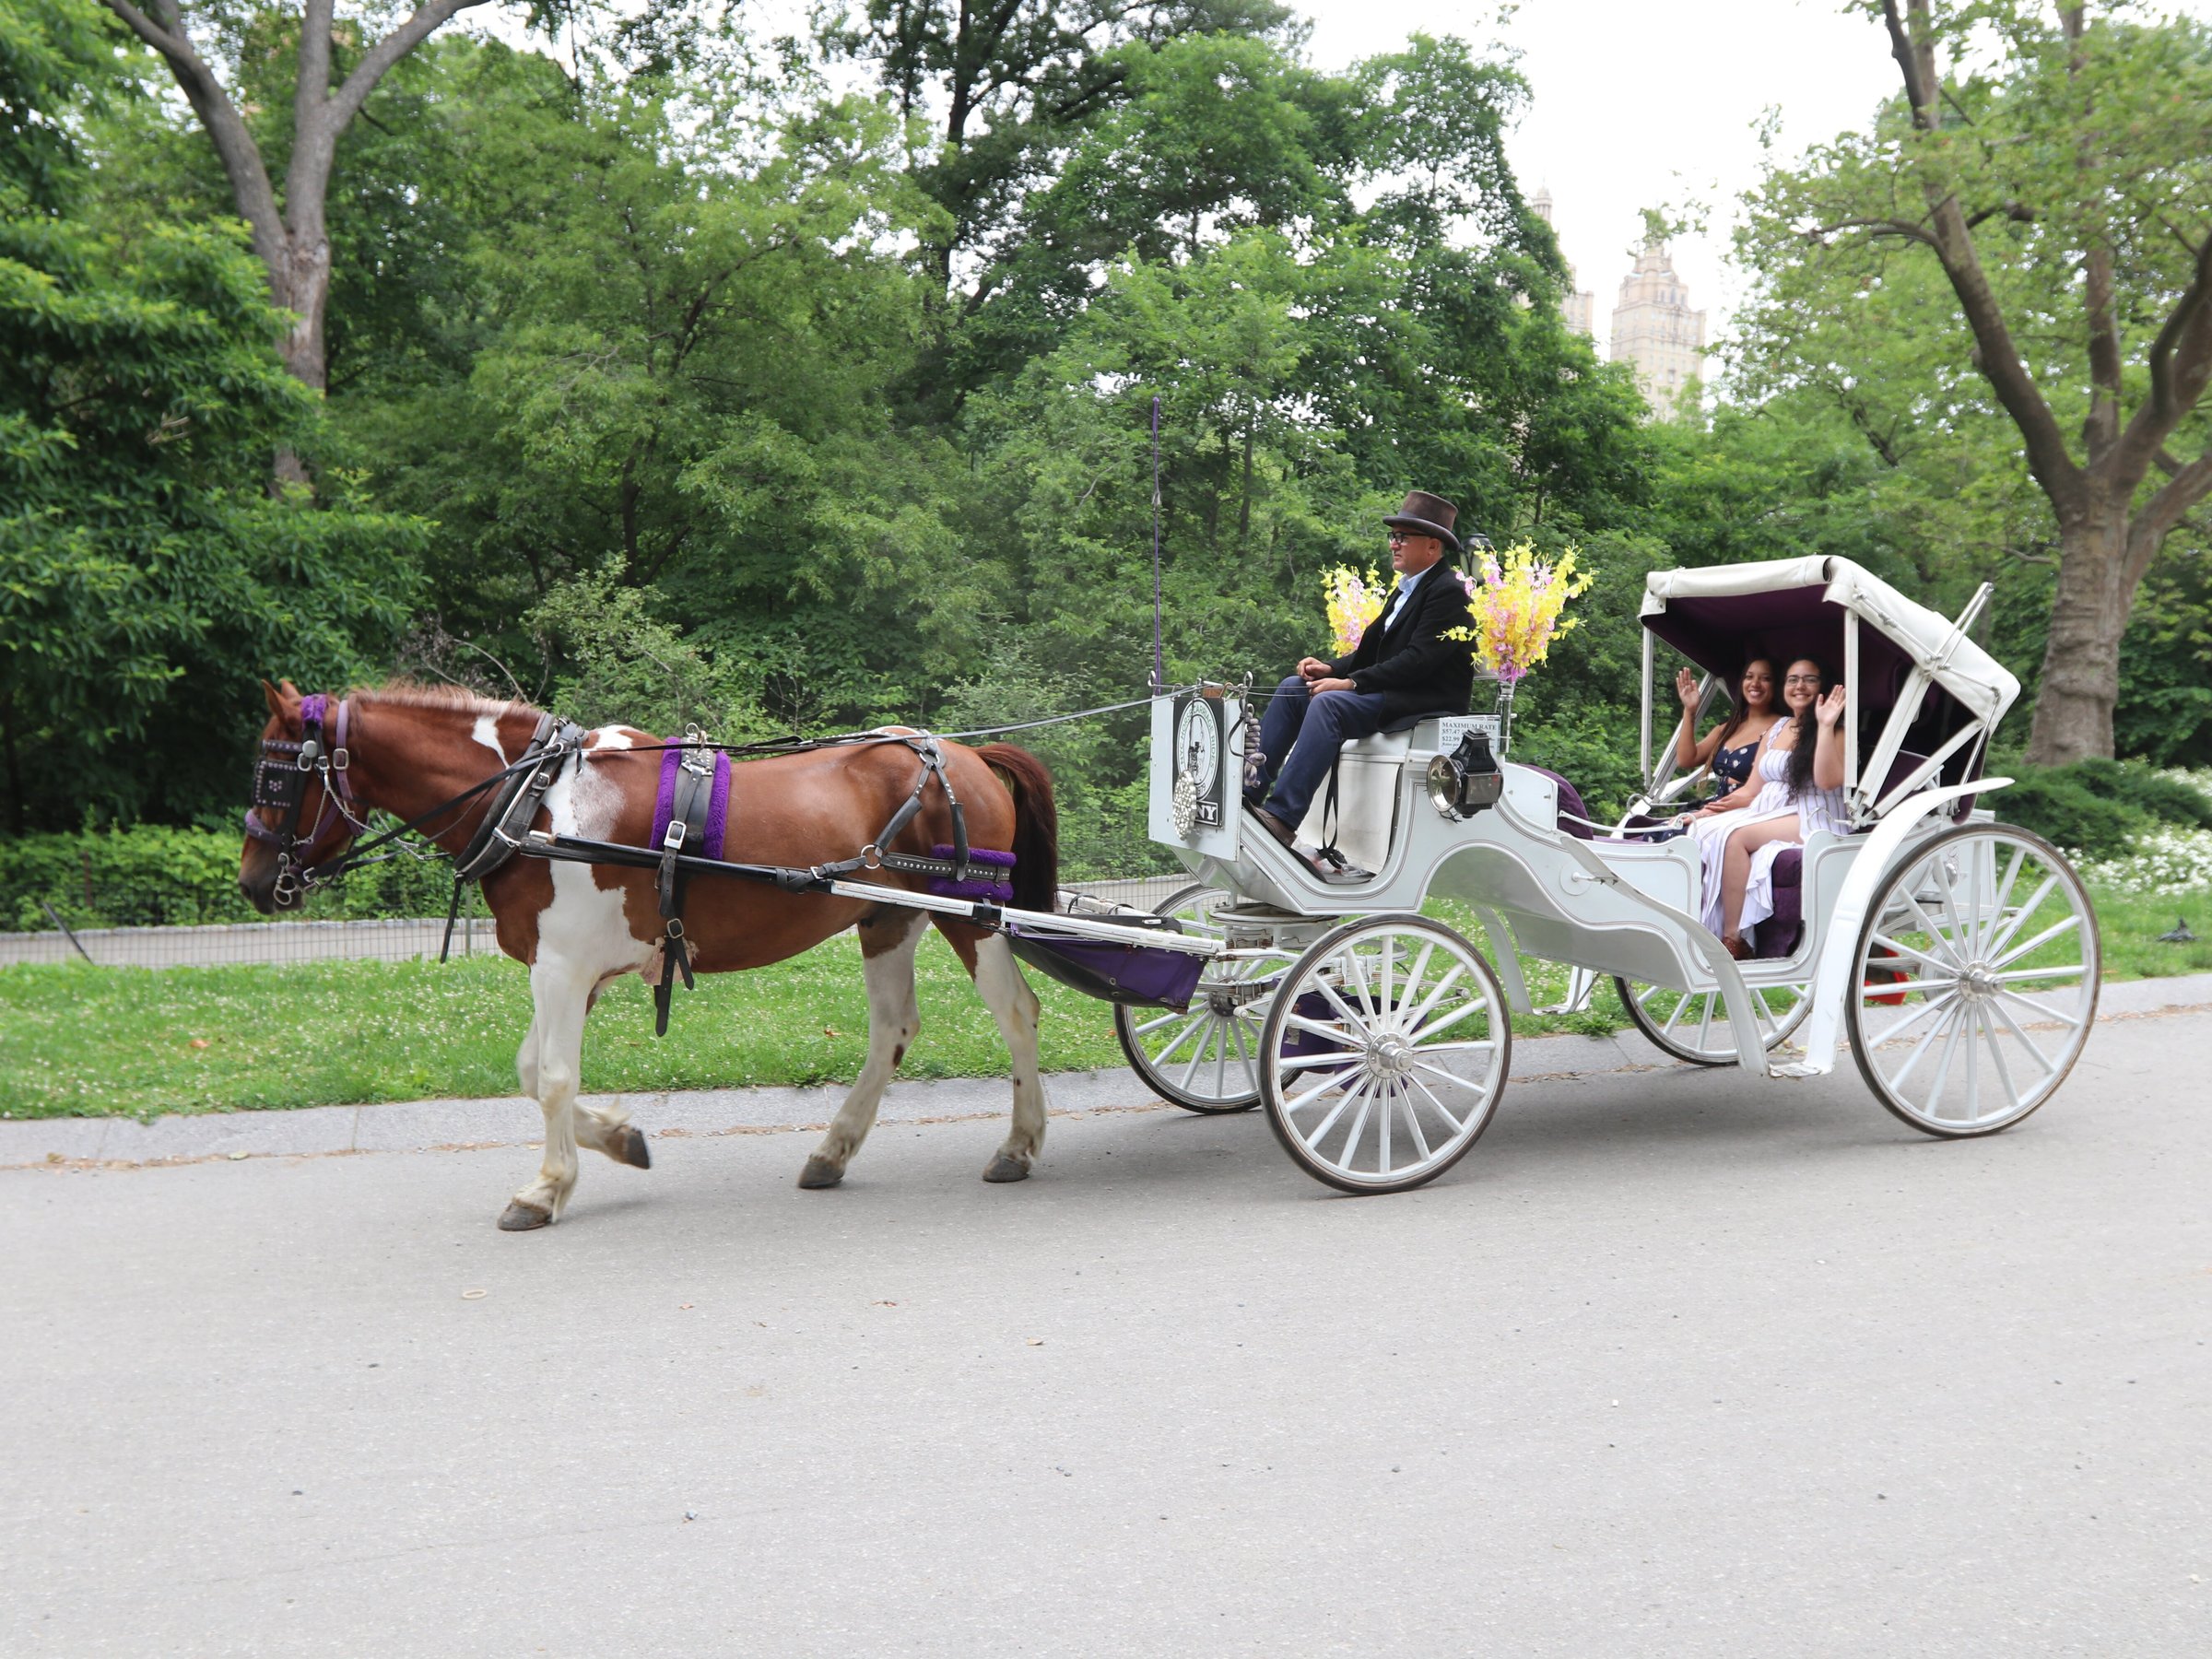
{"x":234,"y":146}
{"x":314,"y":85}
{"x":2181,"y":361}
{"x":1994,"y":353}
{"x":2187,"y":486}
{"x":1880,"y":227}
{"x":387,"y":52}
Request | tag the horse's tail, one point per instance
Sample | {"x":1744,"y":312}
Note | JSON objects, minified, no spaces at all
{"x":1036,"y":824}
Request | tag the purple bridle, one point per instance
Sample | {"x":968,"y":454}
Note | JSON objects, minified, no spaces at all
{"x":280,"y":784}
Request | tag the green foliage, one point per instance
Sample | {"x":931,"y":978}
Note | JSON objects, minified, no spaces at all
{"x":2067,"y":155}
{"x":156,"y":875}
{"x":629,"y":668}
{"x":146,"y":574}
{"x":2098,"y":807}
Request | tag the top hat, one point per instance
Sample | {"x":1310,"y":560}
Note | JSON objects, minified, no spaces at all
{"x":1427,"y":514}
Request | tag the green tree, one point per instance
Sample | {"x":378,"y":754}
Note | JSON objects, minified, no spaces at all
{"x":2052,"y":170}
{"x":145,"y":574}
{"x":334,"y":70}
{"x":1011,"y":82}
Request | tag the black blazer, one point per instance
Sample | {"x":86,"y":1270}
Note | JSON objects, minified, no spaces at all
{"x":1410,"y":664}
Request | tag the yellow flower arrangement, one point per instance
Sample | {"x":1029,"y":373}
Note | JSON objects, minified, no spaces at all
{"x":1355,"y":600}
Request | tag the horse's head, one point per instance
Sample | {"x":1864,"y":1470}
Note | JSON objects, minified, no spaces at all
{"x":297,"y":821}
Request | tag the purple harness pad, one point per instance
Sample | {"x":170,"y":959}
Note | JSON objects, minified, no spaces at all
{"x":718,"y":804}
{"x":979,"y":859}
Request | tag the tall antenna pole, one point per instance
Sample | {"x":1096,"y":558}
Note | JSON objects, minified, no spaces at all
{"x":1160,"y":670}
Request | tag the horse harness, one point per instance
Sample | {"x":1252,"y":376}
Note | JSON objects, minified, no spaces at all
{"x":280,"y":787}
{"x":509,"y":816}
{"x":686,"y":824}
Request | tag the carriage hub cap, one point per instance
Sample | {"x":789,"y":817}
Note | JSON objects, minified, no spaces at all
{"x":1388,"y":1056}
{"x":1978,"y":983}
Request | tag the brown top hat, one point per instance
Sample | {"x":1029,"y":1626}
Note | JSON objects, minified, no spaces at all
{"x":1427,"y":514}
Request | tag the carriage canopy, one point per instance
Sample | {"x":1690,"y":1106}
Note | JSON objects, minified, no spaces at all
{"x":1919,"y":685}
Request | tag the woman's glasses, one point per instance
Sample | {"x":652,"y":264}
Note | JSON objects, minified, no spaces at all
{"x":1802,"y":679}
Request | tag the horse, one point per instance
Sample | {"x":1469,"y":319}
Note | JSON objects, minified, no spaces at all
{"x":409,"y":750}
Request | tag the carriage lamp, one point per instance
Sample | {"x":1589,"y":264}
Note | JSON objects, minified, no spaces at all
{"x":1465,"y":782}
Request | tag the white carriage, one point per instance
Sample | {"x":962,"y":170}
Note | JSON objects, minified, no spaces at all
{"x":1954,"y":955}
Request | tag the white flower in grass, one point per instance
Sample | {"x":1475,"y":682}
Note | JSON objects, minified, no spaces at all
{"x":2168,"y":863}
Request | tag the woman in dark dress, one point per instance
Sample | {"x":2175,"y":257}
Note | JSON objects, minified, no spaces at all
{"x":1731,"y":746}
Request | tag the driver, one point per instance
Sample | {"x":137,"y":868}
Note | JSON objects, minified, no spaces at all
{"x":1402,"y":665}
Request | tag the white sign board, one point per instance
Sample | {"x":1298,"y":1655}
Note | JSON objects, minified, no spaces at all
{"x":1450,"y":732}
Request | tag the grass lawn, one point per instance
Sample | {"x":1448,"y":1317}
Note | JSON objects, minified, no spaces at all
{"x":84,"y":1042}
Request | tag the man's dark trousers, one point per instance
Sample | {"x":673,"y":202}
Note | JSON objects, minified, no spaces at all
{"x":1309,"y":730}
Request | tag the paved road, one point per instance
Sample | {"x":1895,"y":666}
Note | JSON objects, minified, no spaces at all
{"x":1675,"y":1363}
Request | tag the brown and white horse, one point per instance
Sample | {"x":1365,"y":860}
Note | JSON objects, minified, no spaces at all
{"x":580,"y":926}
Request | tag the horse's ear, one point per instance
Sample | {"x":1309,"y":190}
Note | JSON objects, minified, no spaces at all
{"x":274,"y":699}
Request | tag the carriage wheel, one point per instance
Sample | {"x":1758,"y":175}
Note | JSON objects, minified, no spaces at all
{"x":1999,"y":945}
{"x":1693,"y":1025}
{"x":1389,"y":1045}
{"x":1207,"y":1058}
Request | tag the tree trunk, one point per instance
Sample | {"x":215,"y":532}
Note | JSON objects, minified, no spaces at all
{"x":2079,"y":684}
{"x":300,"y":282}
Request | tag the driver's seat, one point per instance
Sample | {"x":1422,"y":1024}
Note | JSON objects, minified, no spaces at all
{"x":1368,"y":771}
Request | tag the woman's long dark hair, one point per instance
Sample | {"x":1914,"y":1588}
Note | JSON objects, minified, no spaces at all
{"x":1739,"y":710}
{"x":1800,"y":773}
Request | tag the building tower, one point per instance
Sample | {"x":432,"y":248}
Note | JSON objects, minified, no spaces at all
{"x":1580,"y":305}
{"x":1655,"y":329}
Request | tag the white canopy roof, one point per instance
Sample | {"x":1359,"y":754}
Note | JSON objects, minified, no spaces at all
{"x":1962,"y":668}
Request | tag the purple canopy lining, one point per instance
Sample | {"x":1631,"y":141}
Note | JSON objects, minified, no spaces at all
{"x":1721,"y":632}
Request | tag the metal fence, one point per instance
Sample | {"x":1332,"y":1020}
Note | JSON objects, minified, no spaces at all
{"x":391,"y":939}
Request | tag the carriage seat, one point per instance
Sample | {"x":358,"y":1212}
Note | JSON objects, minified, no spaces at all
{"x":1367,"y":771}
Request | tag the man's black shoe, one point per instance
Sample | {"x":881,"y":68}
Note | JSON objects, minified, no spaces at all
{"x":1274,"y":826}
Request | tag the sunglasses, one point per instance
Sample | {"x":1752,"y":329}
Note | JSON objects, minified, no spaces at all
{"x":1400,"y":537}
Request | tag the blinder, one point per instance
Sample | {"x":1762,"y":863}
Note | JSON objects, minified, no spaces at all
{"x":280,"y":786}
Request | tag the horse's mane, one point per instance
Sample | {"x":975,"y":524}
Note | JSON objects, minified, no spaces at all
{"x":421,"y":694}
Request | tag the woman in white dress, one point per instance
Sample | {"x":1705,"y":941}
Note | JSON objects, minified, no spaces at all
{"x":1795,"y":788}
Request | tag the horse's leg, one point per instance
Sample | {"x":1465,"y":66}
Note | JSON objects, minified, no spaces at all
{"x":608,"y":1128}
{"x":887,"y":949}
{"x":998,"y":981}
{"x":562,"y":996}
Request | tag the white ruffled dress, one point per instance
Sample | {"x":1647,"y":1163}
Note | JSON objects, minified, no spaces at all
{"x":1816,"y":809}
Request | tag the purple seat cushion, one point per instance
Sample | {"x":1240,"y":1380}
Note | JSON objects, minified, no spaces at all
{"x":1570,"y":801}
{"x":1779,"y":933}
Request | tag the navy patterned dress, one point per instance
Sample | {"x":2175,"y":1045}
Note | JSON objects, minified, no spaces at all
{"x":1731,"y":769}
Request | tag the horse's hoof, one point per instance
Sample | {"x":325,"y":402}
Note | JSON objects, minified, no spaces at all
{"x":523,"y":1218}
{"x":1007,"y":1167}
{"x":628,"y":1146}
{"x":821,"y":1172}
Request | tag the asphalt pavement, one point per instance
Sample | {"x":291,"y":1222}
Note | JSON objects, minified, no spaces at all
{"x":1676,"y":1362}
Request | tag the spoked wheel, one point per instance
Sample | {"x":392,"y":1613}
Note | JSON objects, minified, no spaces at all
{"x":1207,"y":1058}
{"x":1388,"y":1045}
{"x":1693,"y":1025}
{"x":1998,"y":946}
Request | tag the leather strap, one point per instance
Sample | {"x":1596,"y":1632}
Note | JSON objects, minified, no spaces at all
{"x":686,"y":832}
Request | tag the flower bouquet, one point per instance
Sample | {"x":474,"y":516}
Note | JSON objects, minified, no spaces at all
{"x":1516,"y":600}
{"x":1355,"y":600}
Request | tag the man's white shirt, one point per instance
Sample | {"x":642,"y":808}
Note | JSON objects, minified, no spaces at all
{"x":1397,"y":602}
